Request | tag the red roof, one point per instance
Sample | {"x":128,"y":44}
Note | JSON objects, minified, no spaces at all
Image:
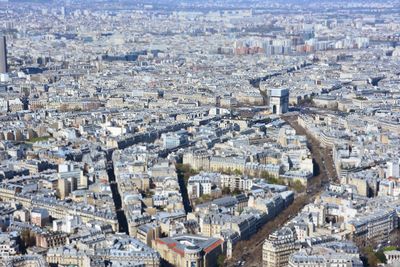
{"x":158,"y":240}
{"x":179,"y":251}
{"x":213,"y":246}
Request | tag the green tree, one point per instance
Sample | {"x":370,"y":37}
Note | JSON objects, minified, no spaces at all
{"x":390,"y":248}
{"x":298,"y":186}
{"x":370,"y":256}
{"x":186,"y":171}
{"x":237,"y":172}
{"x":221,"y":260}
{"x":265,"y":175}
{"x":236,"y":191}
{"x":381,"y":256}
{"x":205,"y":198}
{"x":227,"y":171}
{"x":274,"y":180}
{"x":271,"y":179}
{"x":226,"y":191}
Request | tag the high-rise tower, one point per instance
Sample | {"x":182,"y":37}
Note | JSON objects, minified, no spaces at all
{"x":3,"y":55}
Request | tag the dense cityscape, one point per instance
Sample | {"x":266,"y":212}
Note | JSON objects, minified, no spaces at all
{"x":196,"y":133}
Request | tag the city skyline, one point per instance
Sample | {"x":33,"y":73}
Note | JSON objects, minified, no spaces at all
{"x":199,"y":133}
